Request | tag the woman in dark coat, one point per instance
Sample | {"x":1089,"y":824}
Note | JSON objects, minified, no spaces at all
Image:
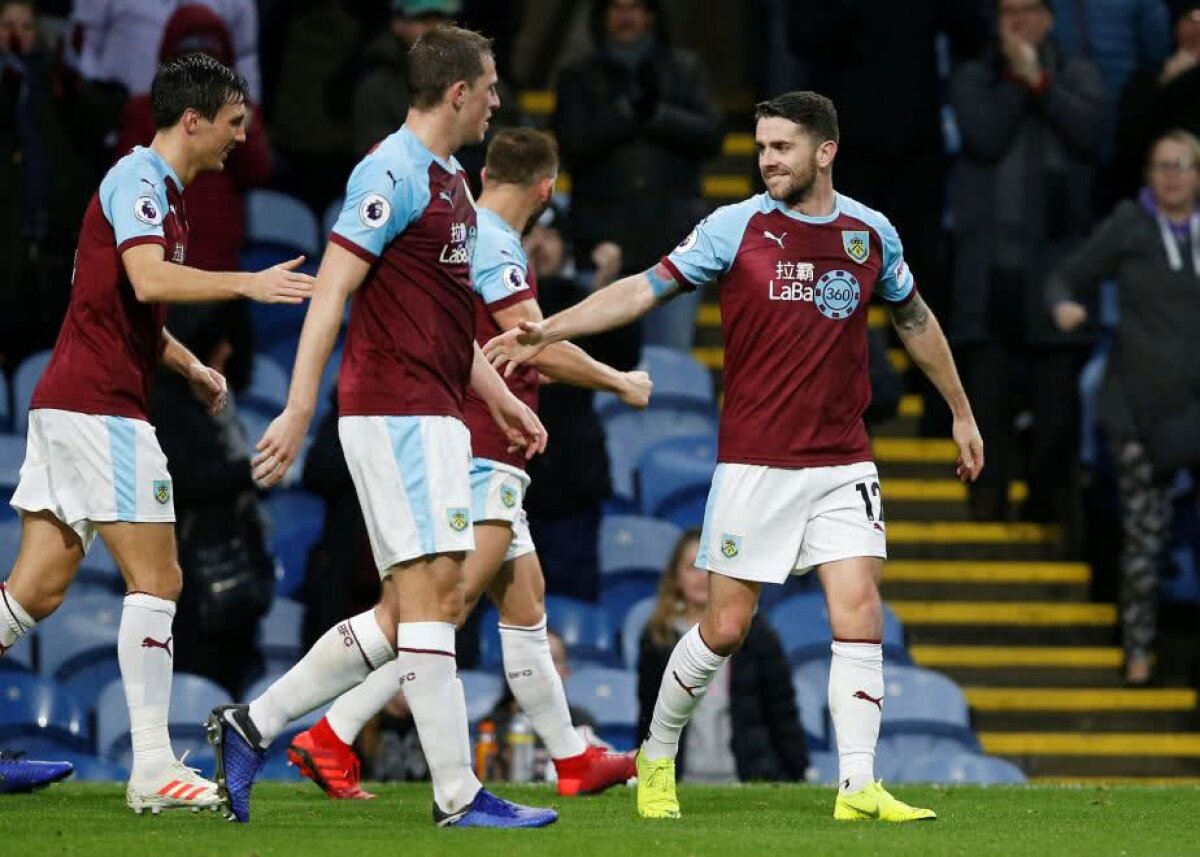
{"x":747,"y":727}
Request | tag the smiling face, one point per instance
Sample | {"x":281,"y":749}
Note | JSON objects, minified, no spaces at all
{"x":213,"y":141}
{"x":789,"y":158}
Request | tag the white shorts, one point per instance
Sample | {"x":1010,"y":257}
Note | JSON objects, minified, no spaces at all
{"x":89,"y":469}
{"x":498,"y":494}
{"x":764,"y":523}
{"x":412,"y":476}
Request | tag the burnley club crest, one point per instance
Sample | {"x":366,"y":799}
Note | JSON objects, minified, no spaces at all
{"x":857,"y":244}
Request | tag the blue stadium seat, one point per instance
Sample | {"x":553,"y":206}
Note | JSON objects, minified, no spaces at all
{"x":962,"y":768}
{"x":77,"y":645}
{"x":5,"y":403}
{"x":924,"y":702}
{"x":822,"y":768}
{"x":297,"y":519}
{"x":632,"y":543}
{"x":276,"y":218}
{"x":610,"y":696}
{"x":681,"y":383}
{"x":98,"y":571}
{"x":12,"y":456}
{"x":36,"y":709}
{"x":329,"y":218}
{"x":583,"y":627}
{"x":24,"y":380}
{"x":20,"y":656}
{"x":279,"y":635}
{"x":802,"y":622}
{"x":674,"y":476}
{"x":268,"y":388}
{"x":10,"y":542}
{"x":192,"y":698}
{"x":92,"y":769}
{"x":897,"y":753}
{"x":628,"y":435}
{"x":483,"y":690}
{"x":811,"y":685}
{"x":618,"y":595}
{"x":631,"y":631}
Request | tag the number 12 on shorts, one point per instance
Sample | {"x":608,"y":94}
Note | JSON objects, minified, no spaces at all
{"x":867,"y":492}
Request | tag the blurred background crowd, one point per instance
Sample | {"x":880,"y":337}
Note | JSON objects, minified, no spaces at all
{"x":1041,"y":163}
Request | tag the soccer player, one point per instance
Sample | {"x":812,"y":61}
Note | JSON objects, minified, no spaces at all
{"x":93,"y":465}
{"x":405,"y":235}
{"x":518,"y":181}
{"x":795,"y":487}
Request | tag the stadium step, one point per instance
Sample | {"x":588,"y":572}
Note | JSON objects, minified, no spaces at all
{"x":1083,"y":709}
{"x":1011,"y":622}
{"x":1098,"y":754}
{"x":986,"y":580}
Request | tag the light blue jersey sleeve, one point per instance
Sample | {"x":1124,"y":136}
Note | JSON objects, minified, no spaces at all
{"x":709,"y":250}
{"x":499,"y":267}
{"x":895,"y":284}
{"x":133,"y":197}
{"x":382,"y":199}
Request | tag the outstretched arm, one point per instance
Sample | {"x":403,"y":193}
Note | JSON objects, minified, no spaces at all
{"x":155,"y":280}
{"x":923,"y":338}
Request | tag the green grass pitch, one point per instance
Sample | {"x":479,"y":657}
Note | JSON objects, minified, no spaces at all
{"x":296,"y":820}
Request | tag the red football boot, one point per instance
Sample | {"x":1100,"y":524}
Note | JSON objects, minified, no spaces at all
{"x":324,"y":758}
{"x":593,"y":771}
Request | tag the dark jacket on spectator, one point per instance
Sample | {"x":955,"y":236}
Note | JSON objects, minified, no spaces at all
{"x":381,"y":97}
{"x":1152,"y":369}
{"x":215,"y":207}
{"x":633,"y":140}
{"x":768,"y":740}
{"x":1147,"y":110}
{"x":1021,"y":191}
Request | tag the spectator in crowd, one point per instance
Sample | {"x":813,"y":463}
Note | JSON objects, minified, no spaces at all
{"x":111,"y":40}
{"x":570,"y":479}
{"x":50,"y":125}
{"x":635,"y":123}
{"x":1159,"y":97}
{"x":309,"y":113}
{"x":228,"y":576}
{"x":215,"y":200}
{"x":1149,"y":402}
{"x":381,"y":96}
{"x":747,"y":727}
{"x":1032,"y":122}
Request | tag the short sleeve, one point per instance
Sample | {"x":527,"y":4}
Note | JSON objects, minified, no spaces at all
{"x":381,"y":201}
{"x":896,"y":285}
{"x":708,"y":252}
{"x":134,"y":201}
{"x":499,"y":269}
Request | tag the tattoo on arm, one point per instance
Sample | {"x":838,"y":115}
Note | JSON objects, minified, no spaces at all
{"x":912,"y":318}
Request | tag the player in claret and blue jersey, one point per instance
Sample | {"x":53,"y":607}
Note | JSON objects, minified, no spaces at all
{"x":795,"y":487}
{"x":93,"y":465}
{"x":402,"y":247}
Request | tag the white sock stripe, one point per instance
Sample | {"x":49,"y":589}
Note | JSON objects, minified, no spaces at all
{"x":539,"y":628}
{"x":372,"y":643}
{"x":426,"y":638}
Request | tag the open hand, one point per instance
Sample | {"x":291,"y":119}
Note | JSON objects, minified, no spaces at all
{"x":281,"y":284}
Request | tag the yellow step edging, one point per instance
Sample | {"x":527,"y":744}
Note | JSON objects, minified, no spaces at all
{"x":968,"y":532}
{"x":537,"y":102}
{"x":710,"y":357}
{"x":738,"y":146}
{"x":983,"y":571}
{"x":709,"y":315}
{"x":912,"y":406}
{"x":940,"y":490}
{"x":1026,"y":613}
{"x":877,"y":316}
{"x":899,"y":359}
{"x":1080,"y":699}
{"x":1096,"y":744}
{"x":915,"y":450}
{"x":999,"y":657}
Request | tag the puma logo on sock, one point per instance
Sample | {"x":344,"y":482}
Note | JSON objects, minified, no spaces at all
{"x":862,"y":694}
{"x":151,"y":643}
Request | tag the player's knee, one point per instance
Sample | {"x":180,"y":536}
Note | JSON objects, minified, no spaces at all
{"x":451,"y":599}
{"x":724,"y":630}
{"x":863,"y":602}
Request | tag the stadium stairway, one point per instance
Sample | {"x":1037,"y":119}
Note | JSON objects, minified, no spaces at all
{"x":1005,"y":612}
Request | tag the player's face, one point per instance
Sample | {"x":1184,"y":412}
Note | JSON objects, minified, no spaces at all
{"x":787,"y":159}
{"x":226,"y":132}
{"x":1173,"y":175}
{"x":693,"y":582}
{"x":480,"y":101}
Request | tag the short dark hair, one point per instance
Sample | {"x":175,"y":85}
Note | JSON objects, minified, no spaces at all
{"x":194,"y":82}
{"x":812,"y":111}
{"x":521,"y":156}
{"x":441,"y":58}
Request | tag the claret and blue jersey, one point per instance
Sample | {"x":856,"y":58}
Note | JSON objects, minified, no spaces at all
{"x":793,"y":292}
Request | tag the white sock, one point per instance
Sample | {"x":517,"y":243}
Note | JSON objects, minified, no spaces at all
{"x":146,"y":653}
{"x":856,"y":704}
{"x":15,"y":623}
{"x":684,"y":683}
{"x":350,"y":713}
{"x":345,"y":655}
{"x":538,"y":688}
{"x":429,"y":677}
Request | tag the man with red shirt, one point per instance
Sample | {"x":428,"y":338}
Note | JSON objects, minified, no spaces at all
{"x":402,"y":247}
{"x":795,"y":487}
{"x":93,"y":465}
{"x":518,"y":181}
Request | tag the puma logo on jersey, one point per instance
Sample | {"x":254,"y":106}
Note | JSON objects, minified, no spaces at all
{"x":862,"y":694}
{"x":778,"y":239}
{"x":151,"y":643}
{"x":395,"y":181}
{"x":446,"y":196}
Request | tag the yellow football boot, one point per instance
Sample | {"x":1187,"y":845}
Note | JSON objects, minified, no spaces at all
{"x":656,"y":788}
{"x":873,"y":803}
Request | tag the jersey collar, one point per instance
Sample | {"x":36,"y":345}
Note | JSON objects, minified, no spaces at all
{"x":778,"y":205}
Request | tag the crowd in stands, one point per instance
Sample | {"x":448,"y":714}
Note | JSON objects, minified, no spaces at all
{"x":1039,"y":158}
